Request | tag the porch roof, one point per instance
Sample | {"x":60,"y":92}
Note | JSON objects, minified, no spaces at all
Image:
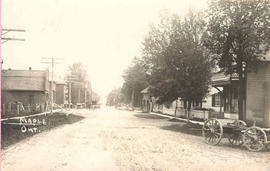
{"x":220,"y":79}
{"x":145,"y":91}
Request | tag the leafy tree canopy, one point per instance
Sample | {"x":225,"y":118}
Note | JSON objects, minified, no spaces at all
{"x":176,"y":62}
{"x":134,"y":80}
{"x":77,"y":71}
{"x":114,"y":97}
{"x":238,"y":33}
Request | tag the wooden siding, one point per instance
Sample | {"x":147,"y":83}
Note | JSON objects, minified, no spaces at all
{"x":25,"y":80}
{"x":257,"y":107}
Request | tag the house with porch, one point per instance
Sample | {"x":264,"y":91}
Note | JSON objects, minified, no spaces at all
{"x":223,"y":96}
{"x":257,"y":97}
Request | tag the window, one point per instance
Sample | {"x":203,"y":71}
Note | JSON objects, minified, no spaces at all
{"x":216,"y":100}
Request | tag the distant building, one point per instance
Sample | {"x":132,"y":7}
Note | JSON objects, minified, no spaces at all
{"x":146,"y":100}
{"x":60,"y":90}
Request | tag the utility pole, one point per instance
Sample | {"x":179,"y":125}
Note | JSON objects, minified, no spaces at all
{"x":52,"y":62}
{"x":69,"y":94}
{"x":90,"y":95}
{"x":132,"y":99}
{"x":85,"y":95}
{"x":79,"y":94}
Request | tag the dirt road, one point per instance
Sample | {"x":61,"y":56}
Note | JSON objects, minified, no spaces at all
{"x":109,"y":139}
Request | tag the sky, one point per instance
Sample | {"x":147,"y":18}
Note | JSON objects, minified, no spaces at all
{"x":104,"y":35}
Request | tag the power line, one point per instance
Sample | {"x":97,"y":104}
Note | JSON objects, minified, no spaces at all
{"x":5,"y":39}
{"x":5,"y":31}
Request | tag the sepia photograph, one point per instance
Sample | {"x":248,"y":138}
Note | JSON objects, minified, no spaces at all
{"x":135,"y":85}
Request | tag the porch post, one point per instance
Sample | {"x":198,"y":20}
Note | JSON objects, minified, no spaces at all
{"x":4,"y":109}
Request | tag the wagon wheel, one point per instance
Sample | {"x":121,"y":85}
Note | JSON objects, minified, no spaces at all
{"x":235,"y":139}
{"x":212,"y":131}
{"x":254,"y":138}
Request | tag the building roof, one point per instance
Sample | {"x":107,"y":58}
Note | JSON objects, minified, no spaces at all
{"x":219,"y":79}
{"x":25,"y":80}
{"x":146,"y":90}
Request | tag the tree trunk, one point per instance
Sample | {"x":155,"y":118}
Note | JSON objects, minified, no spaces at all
{"x":188,"y":110}
{"x":185,"y":108}
{"x":185,"y":104}
{"x":175,"y":111}
{"x":132,"y":99}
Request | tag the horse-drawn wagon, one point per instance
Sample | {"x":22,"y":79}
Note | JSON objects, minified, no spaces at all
{"x":238,"y":133}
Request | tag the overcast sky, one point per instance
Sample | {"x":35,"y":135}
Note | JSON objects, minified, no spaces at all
{"x":104,"y":35}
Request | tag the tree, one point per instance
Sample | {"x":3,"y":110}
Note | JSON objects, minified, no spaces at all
{"x":134,"y":82}
{"x":77,"y":70}
{"x":238,"y":33}
{"x":95,"y":98}
{"x":114,"y":97}
{"x":177,"y":63}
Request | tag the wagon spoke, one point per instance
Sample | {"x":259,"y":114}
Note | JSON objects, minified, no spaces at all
{"x":207,"y":134}
{"x":216,"y":136}
{"x":209,"y":139}
{"x":212,"y":131}
{"x":216,"y":124}
{"x":206,"y":129}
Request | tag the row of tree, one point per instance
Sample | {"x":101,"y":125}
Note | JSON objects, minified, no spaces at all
{"x":179,"y":54}
{"x":134,"y":81}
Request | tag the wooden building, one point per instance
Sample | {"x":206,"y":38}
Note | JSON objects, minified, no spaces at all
{"x":146,"y":100}
{"x":27,"y":87}
{"x":258,"y":95}
{"x":60,"y":94}
{"x":226,"y":97}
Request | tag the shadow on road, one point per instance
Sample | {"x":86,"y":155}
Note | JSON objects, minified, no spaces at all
{"x":11,"y":134}
{"x":148,"y":116}
{"x":184,"y":128}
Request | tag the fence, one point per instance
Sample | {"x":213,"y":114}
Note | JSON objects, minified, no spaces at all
{"x":185,"y":113}
{"x":17,"y":108}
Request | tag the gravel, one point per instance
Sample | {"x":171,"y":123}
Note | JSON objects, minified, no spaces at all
{"x":110,"y":139}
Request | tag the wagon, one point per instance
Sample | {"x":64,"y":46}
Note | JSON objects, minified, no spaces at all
{"x":238,"y":133}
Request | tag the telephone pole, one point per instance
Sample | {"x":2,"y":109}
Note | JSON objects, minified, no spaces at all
{"x":51,"y":61}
